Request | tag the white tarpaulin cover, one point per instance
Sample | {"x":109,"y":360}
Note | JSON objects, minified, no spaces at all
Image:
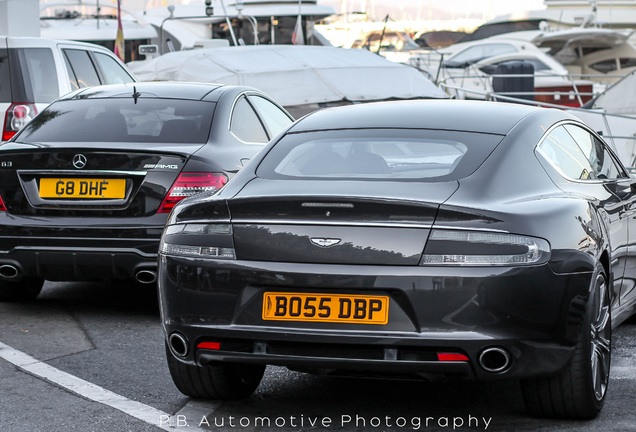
{"x":619,"y":98}
{"x":294,"y":74}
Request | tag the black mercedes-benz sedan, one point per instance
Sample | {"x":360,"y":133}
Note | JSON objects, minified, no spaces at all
{"x":419,"y":239}
{"x":86,"y":187}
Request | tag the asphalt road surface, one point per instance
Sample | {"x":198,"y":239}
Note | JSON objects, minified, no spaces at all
{"x":90,"y":358}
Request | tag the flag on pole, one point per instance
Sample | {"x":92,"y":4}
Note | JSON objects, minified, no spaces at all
{"x":297,"y":36}
{"x":120,"y":48}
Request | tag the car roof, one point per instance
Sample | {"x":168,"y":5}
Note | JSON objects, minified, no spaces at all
{"x":160,"y":90}
{"x":476,"y":116}
{"x":39,"y":42}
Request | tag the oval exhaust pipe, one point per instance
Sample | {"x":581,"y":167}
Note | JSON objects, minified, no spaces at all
{"x":146,"y":276}
{"x":8,"y":271}
{"x":178,"y":345}
{"x":495,"y":359}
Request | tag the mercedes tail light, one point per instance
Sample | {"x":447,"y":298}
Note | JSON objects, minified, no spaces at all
{"x":189,"y":184}
{"x":18,"y":115}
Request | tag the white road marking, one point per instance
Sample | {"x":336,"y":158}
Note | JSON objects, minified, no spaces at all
{"x":93,"y":392}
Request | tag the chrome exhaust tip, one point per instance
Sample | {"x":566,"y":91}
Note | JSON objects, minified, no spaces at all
{"x":9,"y":271}
{"x":178,"y":345}
{"x":495,"y":359}
{"x":146,"y":276}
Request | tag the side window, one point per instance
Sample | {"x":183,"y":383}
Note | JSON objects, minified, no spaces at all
{"x":245,"y":124}
{"x":627,"y":62}
{"x":33,"y":73}
{"x":82,"y":67}
{"x":601,"y":159}
{"x":5,"y":83}
{"x":563,"y":152}
{"x":113,"y":72}
{"x":476,"y":53}
{"x":605,"y":66}
{"x":274,"y":118}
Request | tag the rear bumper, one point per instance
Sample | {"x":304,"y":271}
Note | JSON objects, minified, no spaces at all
{"x":530,"y":314}
{"x":79,"y":264}
{"x":82,"y":252}
{"x":408,"y":356}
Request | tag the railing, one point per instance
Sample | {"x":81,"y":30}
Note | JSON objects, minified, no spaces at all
{"x":618,"y":130}
{"x":568,"y":91}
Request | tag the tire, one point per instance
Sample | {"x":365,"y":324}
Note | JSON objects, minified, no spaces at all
{"x":221,"y":381}
{"x":23,"y":290}
{"x":578,"y":391}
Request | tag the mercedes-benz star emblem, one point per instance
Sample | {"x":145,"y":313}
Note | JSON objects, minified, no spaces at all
{"x":79,"y":161}
{"x":325,"y":242}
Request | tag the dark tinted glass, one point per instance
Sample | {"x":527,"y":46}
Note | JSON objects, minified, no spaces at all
{"x":82,"y":67}
{"x":33,"y":76}
{"x":605,"y":66}
{"x":5,"y":83}
{"x":122,"y":120}
{"x":407,"y":155}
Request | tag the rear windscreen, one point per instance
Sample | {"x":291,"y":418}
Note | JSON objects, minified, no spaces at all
{"x":397,"y":154}
{"x":122,"y":120}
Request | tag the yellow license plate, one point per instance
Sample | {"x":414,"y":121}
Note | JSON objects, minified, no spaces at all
{"x":333,"y":308}
{"x":83,"y":188}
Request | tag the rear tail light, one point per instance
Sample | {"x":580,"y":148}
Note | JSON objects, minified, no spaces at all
{"x":466,"y":248}
{"x":189,"y":184}
{"x":3,"y":208}
{"x":18,"y":115}
{"x":187,"y":240}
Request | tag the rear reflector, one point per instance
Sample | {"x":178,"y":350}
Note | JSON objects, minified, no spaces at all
{"x":18,"y":115}
{"x":451,"y":357}
{"x":189,"y":184}
{"x":210,"y":345}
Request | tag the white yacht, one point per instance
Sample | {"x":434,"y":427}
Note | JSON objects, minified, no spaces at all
{"x":96,"y":22}
{"x":240,"y":22}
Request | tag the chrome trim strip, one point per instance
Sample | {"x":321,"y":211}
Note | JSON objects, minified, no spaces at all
{"x":340,"y":223}
{"x":78,"y":173}
{"x":333,"y":223}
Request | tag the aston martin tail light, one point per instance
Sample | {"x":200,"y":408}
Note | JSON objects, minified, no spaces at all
{"x":18,"y":115}
{"x":465,"y":248}
{"x":187,"y":240}
{"x":189,"y":184}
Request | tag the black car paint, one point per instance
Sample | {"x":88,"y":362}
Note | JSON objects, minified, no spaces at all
{"x":84,"y":240}
{"x":534,"y":312}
